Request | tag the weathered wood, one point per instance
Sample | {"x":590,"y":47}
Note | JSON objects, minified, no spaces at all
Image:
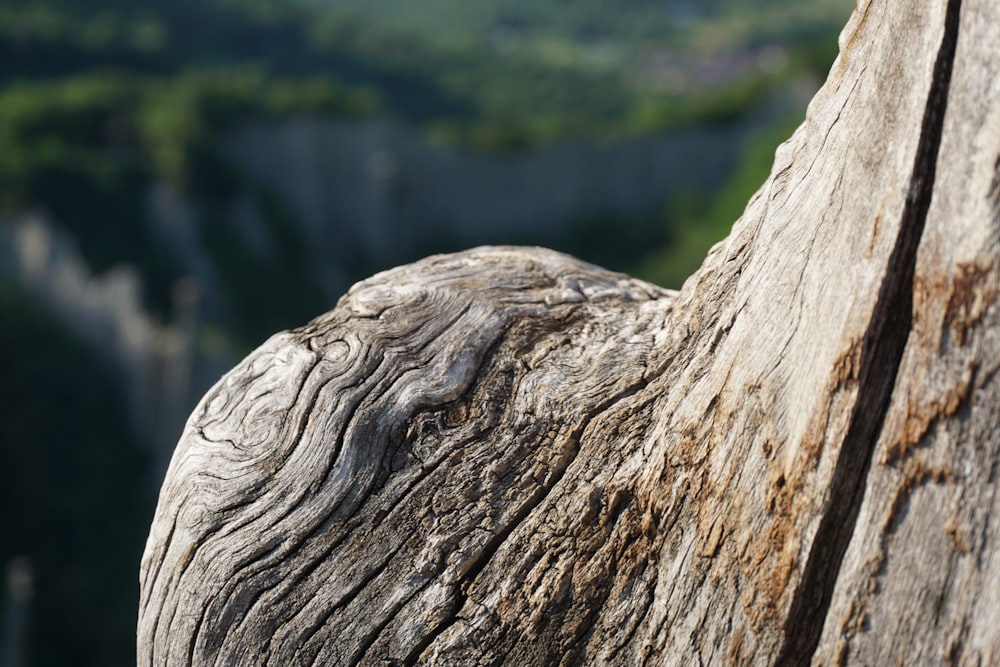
{"x":920,"y":583}
{"x":507,"y":456}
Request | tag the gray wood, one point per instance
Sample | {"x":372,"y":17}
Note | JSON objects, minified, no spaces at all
{"x":507,"y":456}
{"x":920,"y":583}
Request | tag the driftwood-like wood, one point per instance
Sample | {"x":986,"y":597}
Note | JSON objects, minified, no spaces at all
{"x":507,"y":456}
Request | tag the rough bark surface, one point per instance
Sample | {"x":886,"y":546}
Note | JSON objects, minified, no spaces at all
{"x":507,"y":456}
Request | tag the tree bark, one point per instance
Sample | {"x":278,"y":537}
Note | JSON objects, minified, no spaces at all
{"x":507,"y":456}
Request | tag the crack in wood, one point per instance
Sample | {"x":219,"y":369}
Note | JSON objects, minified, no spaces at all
{"x":493,"y":546}
{"x":882,"y":352}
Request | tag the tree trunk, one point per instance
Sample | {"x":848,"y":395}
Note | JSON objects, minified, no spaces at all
{"x":507,"y":456}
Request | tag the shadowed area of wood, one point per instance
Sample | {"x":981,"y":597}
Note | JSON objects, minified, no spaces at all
{"x":507,"y":456}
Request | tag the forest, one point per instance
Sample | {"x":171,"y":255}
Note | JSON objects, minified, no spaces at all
{"x":104,"y":101}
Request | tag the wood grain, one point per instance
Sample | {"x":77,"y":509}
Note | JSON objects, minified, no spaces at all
{"x":508,"y":456}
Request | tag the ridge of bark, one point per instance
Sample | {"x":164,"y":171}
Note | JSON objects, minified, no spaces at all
{"x":882,"y":352}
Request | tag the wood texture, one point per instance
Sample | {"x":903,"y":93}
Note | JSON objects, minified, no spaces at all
{"x":920,"y":583}
{"x":507,"y":456}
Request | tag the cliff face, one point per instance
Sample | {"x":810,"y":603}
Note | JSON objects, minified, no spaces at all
{"x":351,"y":198}
{"x":376,"y":187}
{"x":319,"y":204}
{"x":159,"y":368}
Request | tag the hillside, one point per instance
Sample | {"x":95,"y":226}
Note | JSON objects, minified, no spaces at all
{"x":180,"y":179}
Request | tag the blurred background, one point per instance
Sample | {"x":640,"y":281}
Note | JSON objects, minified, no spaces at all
{"x":179,"y":179}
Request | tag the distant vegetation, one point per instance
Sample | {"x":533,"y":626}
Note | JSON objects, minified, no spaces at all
{"x":440,"y":64}
{"x":617,"y":29}
{"x":99,"y":99}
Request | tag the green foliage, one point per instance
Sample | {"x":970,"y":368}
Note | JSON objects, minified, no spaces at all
{"x":119,"y":95}
{"x":101,"y":99}
{"x":713,"y":107}
{"x":635,"y":24}
{"x":110,"y":121}
{"x":88,"y":146}
{"x":178,"y":116}
{"x":566,"y":73}
{"x":45,"y":126}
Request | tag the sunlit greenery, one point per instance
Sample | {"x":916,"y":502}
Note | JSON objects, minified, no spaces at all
{"x":633,"y":24}
{"x":103,"y":100}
